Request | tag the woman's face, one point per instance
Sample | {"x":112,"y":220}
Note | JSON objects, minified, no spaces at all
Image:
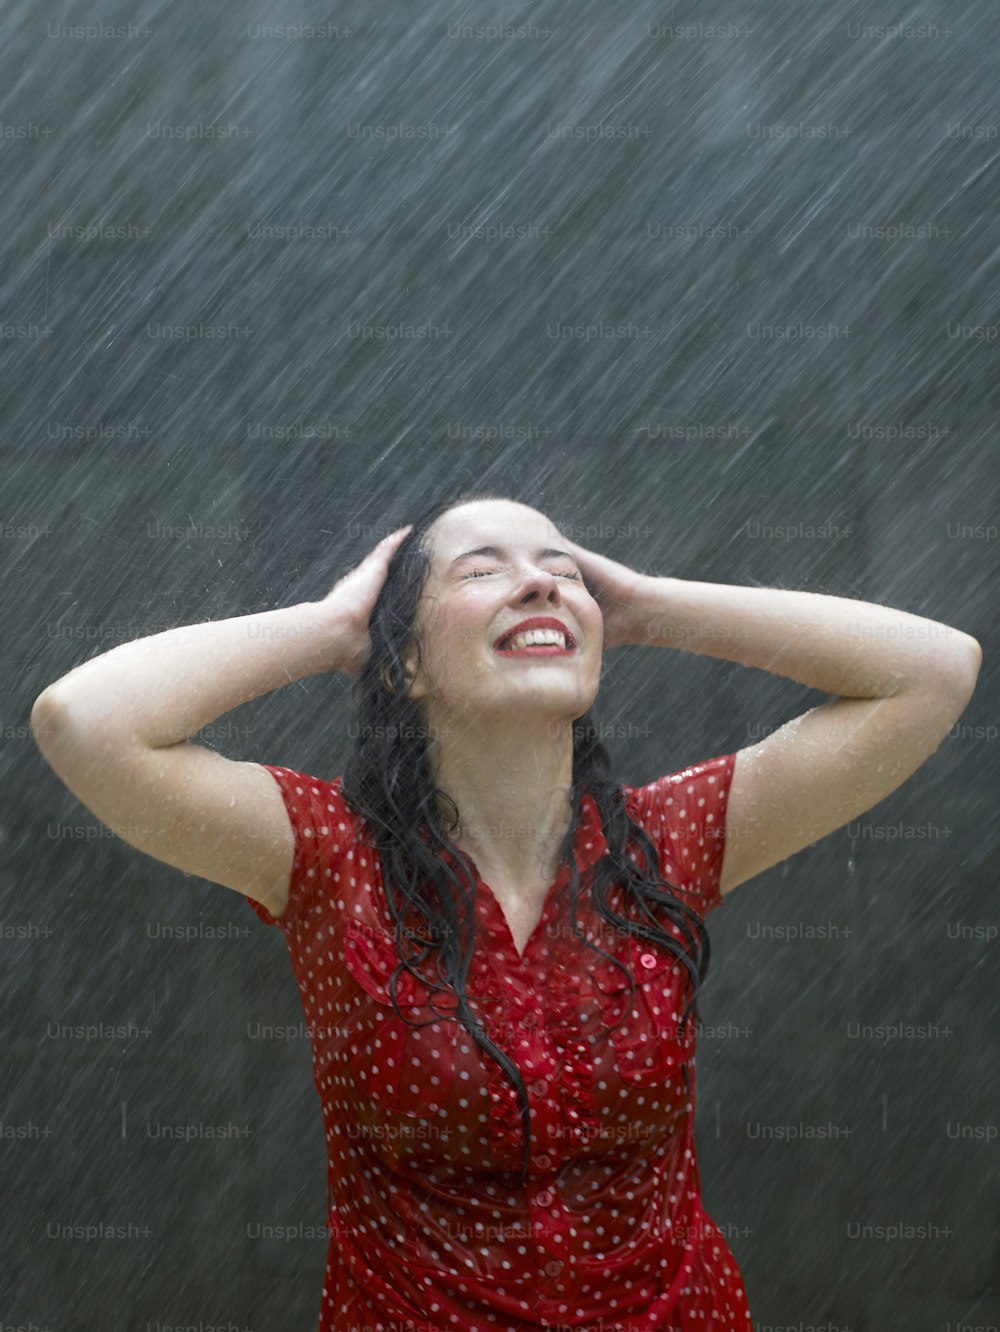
{"x":473,"y":597}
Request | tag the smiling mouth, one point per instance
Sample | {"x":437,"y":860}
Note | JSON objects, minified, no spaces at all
{"x":564,"y":647}
{"x":535,"y":650}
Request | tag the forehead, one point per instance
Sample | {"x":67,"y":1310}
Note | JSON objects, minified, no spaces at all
{"x":487,"y":522}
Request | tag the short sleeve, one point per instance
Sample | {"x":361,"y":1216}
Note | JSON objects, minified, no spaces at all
{"x":325,"y":828}
{"x":685,"y":815}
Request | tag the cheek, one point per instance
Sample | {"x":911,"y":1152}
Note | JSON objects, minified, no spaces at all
{"x":592,"y":624}
{"x":454,"y":639}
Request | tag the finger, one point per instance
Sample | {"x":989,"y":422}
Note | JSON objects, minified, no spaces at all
{"x":382,"y":548}
{"x":393,"y":536}
{"x":394,"y":540}
{"x":582,"y":554}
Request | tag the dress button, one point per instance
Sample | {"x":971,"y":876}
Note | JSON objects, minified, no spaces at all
{"x":530,"y":1020}
{"x":648,"y":959}
{"x":540,"y":1087}
{"x":553,"y":1267}
{"x":544,"y":1162}
{"x":544,"y":1199}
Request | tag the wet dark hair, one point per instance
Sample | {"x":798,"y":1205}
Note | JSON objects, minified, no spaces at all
{"x":388,"y":780}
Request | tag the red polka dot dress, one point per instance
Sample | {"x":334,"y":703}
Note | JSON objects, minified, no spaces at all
{"x":423,"y":1129}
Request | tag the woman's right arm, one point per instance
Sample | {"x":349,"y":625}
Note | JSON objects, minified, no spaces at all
{"x":116,"y":731}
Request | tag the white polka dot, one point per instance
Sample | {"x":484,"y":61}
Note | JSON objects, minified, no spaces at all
{"x":420,"y":1123}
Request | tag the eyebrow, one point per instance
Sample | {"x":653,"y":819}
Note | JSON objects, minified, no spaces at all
{"x":545,"y":553}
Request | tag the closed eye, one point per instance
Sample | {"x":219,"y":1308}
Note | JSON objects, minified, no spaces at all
{"x":481,"y":573}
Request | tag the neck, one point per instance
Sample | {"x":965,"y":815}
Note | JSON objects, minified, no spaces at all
{"x":512,"y":786}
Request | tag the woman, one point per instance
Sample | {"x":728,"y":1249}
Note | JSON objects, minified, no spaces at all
{"x":497,"y":945}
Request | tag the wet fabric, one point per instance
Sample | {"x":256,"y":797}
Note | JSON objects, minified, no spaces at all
{"x":423,"y":1129}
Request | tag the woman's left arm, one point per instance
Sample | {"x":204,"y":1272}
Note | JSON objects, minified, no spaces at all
{"x":901,"y":682}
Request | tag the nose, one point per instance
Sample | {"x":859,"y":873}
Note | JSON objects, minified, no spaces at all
{"x":535,"y":585}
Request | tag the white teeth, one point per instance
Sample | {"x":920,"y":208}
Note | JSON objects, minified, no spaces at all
{"x":537,"y":636}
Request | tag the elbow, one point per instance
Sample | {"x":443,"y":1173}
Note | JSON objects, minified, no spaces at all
{"x":57,"y":729}
{"x":972,"y":658}
{"x":68,"y":747}
{"x":48,"y":720}
{"x":960,"y":673}
{"x":948,"y":675}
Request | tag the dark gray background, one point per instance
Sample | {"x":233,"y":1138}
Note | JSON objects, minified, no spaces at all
{"x":154,"y":481}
